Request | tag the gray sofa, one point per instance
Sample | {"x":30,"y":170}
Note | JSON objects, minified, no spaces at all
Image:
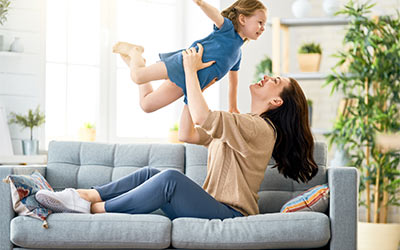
{"x":82,"y":165}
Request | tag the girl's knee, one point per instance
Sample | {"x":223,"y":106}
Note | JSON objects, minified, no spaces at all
{"x":137,"y":76}
{"x":147,"y":106}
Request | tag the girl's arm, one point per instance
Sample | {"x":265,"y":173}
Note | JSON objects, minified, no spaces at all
{"x":233,"y":84}
{"x":212,"y":12}
{"x":187,"y":132}
{"x":197,"y":104}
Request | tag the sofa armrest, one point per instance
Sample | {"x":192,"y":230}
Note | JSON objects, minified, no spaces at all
{"x":7,"y":212}
{"x":343,"y":207}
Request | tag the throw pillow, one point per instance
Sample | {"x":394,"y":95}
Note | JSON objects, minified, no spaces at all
{"x":23,"y":190}
{"x":315,"y":199}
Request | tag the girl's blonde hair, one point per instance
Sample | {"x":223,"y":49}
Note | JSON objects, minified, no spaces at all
{"x":244,"y":7}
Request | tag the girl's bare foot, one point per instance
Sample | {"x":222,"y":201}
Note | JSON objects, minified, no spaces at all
{"x":127,"y":48}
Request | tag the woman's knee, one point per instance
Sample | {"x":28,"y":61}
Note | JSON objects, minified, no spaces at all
{"x":150,"y":171}
{"x":171,"y":174}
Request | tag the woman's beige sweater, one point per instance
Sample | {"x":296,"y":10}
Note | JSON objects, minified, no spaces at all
{"x":239,"y":149}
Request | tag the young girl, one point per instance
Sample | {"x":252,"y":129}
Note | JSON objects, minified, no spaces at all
{"x":242,"y":21}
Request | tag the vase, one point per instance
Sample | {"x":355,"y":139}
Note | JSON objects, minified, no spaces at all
{"x":301,"y":8}
{"x":17,"y":46}
{"x":340,"y":159}
{"x":330,"y":7}
{"x":30,"y":147}
{"x":87,"y":134}
{"x":372,"y":236}
{"x":173,"y":137}
{"x":309,"y":62}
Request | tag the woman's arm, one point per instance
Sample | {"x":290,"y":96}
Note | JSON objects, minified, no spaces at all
{"x":233,"y":84}
{"x":212,"y":12}
{"x":187,"y":132}
{"x":192,"y":63}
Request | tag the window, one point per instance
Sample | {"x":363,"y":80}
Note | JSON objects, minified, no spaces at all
{"x":72,"y":66}
{"x":85,"y":82}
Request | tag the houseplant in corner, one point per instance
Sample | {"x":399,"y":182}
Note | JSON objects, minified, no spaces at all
{"x":31,"y":120}
{"x":373,"y":79}
{"x":309,"y":57}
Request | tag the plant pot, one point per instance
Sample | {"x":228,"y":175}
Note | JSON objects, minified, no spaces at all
{"x":87,"y":134}
{"x":309,"y":62}
{"x":173,"y":137}
{"x":30,"y":147}
{"x":373,"y":236}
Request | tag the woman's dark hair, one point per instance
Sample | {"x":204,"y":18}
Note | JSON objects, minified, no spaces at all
{"x":294,"y":146}
{"x":244,"y":7}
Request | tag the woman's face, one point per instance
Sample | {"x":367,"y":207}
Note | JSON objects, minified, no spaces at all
{"x":269,"y":89}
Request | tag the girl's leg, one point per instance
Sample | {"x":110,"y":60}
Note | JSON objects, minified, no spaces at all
{"x":140,"y":74}
{"x":151,"y":100}
{"x":173,"y":192}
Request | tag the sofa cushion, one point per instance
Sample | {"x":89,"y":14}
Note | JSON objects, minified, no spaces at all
{"x":263,"y":231}
{"x":314,"y":199}
{"x":113,"y":230}
{"x":23,"y":189}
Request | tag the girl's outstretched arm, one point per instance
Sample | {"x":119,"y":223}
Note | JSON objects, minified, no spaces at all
{"x":212,"y":12}
{"x":233,"y":84}
{"x":192,"y":63}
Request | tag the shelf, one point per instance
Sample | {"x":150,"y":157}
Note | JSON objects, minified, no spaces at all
{"x":9,"y":53}
{"x":298,"y":22}
{"x":306,"y":76}
{"x":23,"y":159}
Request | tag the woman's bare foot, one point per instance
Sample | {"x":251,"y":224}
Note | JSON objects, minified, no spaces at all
{"x":127,"y":48}
{"x":90,"y":195}
{"x":98,"y":207}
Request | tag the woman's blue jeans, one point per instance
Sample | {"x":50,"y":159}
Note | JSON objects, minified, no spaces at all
{"x":177,"y":195}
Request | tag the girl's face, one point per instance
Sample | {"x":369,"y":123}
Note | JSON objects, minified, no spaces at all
{"x":253,"y":26}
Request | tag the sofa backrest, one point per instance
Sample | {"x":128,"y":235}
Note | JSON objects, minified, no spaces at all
{"x":84,"y":164}
{"x":275,"y":189}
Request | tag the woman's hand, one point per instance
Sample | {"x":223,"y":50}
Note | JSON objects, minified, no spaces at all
{"x":192,"y":59}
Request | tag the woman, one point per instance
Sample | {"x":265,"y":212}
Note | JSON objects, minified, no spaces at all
{"x":239,"y":147}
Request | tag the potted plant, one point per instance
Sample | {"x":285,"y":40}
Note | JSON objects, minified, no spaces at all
{"x":309,"y":57}
{"x":87,"y":132}
{"x":263,"y":68}
{"x":31,"y":120}
{"x":373,"y":79}
{"x":173,"y":134}
{"x":4,"y":7}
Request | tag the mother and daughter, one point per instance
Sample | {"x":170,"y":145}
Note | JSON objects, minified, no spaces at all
{"x":239,"y":145}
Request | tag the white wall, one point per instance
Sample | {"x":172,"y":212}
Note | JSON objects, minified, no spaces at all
{"x":22,"y":75}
